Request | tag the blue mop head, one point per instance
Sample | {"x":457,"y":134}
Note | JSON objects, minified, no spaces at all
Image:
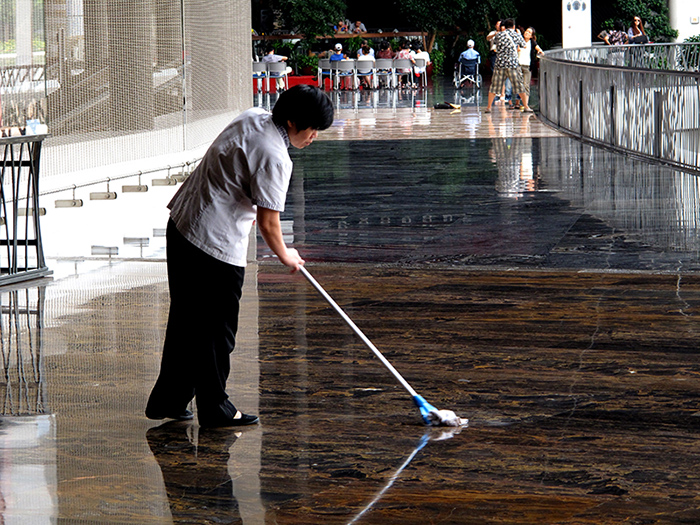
{"x":436,"y":418}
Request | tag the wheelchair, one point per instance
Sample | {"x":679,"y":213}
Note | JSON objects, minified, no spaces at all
{"x":467,"y":71}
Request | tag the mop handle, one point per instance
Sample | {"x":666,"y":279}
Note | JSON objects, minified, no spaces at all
{"x":355,"y":329}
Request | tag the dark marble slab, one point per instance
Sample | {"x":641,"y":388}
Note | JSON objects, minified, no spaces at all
{"x":508,"y":202}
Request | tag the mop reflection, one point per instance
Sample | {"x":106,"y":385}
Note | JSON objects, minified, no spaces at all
{"x":194,"y":464}
{"x":433,"y":434}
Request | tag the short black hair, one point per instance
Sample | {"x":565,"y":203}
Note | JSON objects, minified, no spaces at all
{"x":508,"y":23}
{"x":304,"y":105}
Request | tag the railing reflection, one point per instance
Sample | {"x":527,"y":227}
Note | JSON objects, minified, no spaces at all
{"x":21,"y":324}
{"x":639,"y":99}
{"x":661,"y":206}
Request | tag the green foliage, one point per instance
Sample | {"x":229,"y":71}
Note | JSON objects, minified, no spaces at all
{"x":7,"y":46}
{"x":437,"y":57}
{"x":302,"y":61}
{"x":311,"y":18}
{"x":432,"y":15}
{"x":654,"y":15}
{"x":352,"y":45}
{"x":692,"y":39}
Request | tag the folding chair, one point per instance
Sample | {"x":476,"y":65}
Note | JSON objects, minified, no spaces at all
{"x":366,"y":68}
{"x":422,"y":65}
{"x":402,"y":66}
{"x":260,"y":74}
{"x":324,"y":70}
{"x":384,"y":67}
{"x":343,"y":69}
{"x":277,"y":70}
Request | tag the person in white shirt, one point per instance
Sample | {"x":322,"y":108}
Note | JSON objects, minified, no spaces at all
{"x":420,"y":54}
{"x":271,"y":56}
{"x":525,"y":58}
{"x":365,"y":64}
{"x":241,"y":180}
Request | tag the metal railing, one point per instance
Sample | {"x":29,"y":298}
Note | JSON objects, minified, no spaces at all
{"x":640,"y":99}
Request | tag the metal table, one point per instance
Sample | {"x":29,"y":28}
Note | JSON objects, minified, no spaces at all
{"x":21,"y":250}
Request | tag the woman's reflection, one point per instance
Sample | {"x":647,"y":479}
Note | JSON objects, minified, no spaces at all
{"x":194,"y":464}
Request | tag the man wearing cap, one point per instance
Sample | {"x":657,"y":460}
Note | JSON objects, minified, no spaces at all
{"x":470,"y":53}
{"x":337,"y":53}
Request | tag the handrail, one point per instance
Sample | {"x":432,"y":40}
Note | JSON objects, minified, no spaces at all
{"x":642,"y":100}
{"x":684,"y":57}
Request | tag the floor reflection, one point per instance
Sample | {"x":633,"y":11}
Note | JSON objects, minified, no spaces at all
{"x":515,"y":200}
{"x":28,"y":471}
{"x":21,"y":324}
{"x":194,"y":465}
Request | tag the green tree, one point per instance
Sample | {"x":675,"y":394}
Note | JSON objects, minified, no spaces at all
{"x":431,"y":16}
{"x":654,"y":14}
{"x":311,"y":18}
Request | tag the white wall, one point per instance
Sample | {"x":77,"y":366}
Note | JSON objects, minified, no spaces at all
{"x":576,"y":23}
{"x":685,"y":17}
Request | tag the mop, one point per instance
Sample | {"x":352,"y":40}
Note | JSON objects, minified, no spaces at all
{"x":431,"y":415}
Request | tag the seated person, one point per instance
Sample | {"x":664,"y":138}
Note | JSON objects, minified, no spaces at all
{"x":362,"y":44}
{"x":364,"y":66}
{"x":636,"y":33}
{"x":470,"y":53}
{"x":616,"y":37}
{"x":404,"y":73}
{"x":341,"y":27}
{"x":270,"y":56}
{"x":418,"y":52}
{"x":337,"y":53}
{"x":385,"y":50}
{"x":359,"y":27}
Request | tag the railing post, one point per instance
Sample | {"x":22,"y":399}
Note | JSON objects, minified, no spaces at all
{"x":580,"y":107}
{"x":612,"y":115}
{"x":543,"y":96}
{"x":558,"y":101}
{"x":658,"y":122}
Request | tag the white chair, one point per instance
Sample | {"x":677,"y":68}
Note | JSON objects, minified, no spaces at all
{"x":260,"y":74}
{"x":324,"y":70}
{"x":278,"y":71}
{"x":402,"y":66}
{"x":343,"y":69}
{"x":384,"y":67}
{"x":422,"y":65}
{"x":366,"y":68}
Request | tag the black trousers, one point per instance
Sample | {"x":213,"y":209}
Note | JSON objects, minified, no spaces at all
{"x":205,"y":297}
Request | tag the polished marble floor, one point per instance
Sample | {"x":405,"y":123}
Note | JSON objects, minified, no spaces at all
{"x":541,"y":288}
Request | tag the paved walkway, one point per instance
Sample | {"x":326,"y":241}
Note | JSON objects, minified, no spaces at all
{"x":544,"y":290}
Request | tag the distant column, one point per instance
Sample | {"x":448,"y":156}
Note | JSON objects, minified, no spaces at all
{"x":23,"y":32}
{"x":576,"y":23}
{"x":684,"y":16}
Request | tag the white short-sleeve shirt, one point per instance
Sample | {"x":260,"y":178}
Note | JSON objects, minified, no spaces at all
{"x":247,"y":165}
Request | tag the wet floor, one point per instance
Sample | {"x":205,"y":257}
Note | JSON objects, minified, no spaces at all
{"x":545,"y":290}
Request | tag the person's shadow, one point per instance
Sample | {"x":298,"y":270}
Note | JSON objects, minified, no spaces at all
{"x":195,"y":472}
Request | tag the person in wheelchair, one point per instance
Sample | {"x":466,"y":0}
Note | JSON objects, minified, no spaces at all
{"x":468,"y":66}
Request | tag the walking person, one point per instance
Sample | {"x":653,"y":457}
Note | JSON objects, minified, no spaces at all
{"x":241,"y":180}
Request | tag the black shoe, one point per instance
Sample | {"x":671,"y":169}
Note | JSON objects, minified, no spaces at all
{"x":242,"y":421}
{"x":181,"y":415}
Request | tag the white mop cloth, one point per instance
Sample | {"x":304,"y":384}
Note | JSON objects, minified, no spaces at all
{"x":446,"y":418}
